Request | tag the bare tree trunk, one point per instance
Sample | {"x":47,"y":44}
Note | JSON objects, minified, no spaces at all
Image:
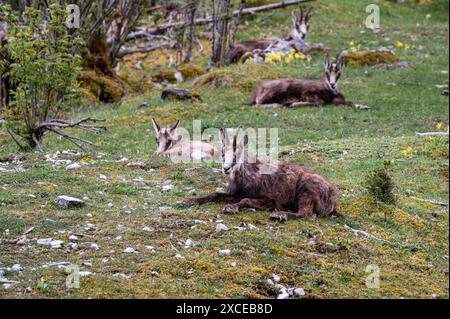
{"x":193,"y":7}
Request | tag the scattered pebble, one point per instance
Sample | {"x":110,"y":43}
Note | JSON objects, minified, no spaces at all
{"x":44,"y":241}
{"x":16,"y":267}
{"x":68,"y":202}
{"x":55,"y":244}
{"x":233,"y":264}
{"x":167,"y":188}
{"x":73,"y":238}
{"x":189,"y":243}
{"x":129,"y":250}
{"x":221,"y":227}
{"x":276,"y":278}
{"x":103,"y":177}
{"x":225,"y":252}
{"x":73,"y":166}
{"x":94,"y":246}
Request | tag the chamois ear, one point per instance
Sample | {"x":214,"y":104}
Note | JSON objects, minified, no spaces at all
{"x":294,"y":18}
{"x":340,"y":61}
{"x":155,"y":125}
{"x":174,"y":127}
{"x":223,"y":135}
{"x":326,"y":62}
{"x":309,"y":13}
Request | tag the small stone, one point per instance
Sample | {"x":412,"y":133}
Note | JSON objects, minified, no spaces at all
{"x":178,"y":256}
{"x":146,"y":228}
{"x":283,"y":295}
{"x":73,"y":166}
{"x":221,"y":227}
{"x":225,"y":252}
{"x":44,"y":241}
{"x":85,"y":273}
{"x":154,"y":273}
{"x":94,"y":246}
{"x":89,"y":215}
{"x":233,"y":264}
{"x":200,"y":222}
{"x":149,"y":247}
{"x":55,"y":244}
{"x":69,"y":202}
{"x":276,"y":278}
{"x":252,"y":227}
{"x":129,"y":250}
{"x":110,"y":205}
{"x":270,"y":282}
{"x":189,"y":243}
{"x":103,"y":177}
{"x":299,"y":292}
{"x":119,"y":238}
{"x":16,"y":267}
{"x":72,"y":246}
{"x":73,"y":238}
{"x":167,"y":188}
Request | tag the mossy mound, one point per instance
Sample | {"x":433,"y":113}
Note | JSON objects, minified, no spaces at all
{"x":103,"y":88}
{"x":188,"y":71}
{"x":369,"y":57}
{"x":241,"y":76}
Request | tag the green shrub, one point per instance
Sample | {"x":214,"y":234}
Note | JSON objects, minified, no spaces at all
{"x":380,"y":185}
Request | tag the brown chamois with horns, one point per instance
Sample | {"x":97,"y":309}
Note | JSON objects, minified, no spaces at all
{"x":269,"y":186}
{"x":298,"y":33}
{"x":292,"y":92}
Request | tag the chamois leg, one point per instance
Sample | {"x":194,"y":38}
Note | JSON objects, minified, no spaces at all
{"x":270,"y":106}
{"x":214,"y":197}
{"x":356,"y":106}
{"x":301,"y":104}
{"x":305,"y":210}
{"x":246,"y":202}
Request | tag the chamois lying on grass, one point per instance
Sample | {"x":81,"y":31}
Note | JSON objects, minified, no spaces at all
{"x":171,"y":144}
{"x":264,"y":185}
{"x":292,"y":92}
{"x":298,"y":33}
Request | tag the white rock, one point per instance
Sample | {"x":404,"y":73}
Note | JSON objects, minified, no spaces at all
{"x":154,"y":273}
{"x":89,"y":215}
{"x":16,"y":267}
{"x":94,"y":246}
{"x":73,"y":238}
{"x":44,"y":241}
{"x":178,"y":256}
{"x":189,"y":243}
{"x":275,"y":278}
{"x":85,"y":273}
{"x":200,"y":222}
{"x":233,"y":264}
{"x":68,"y":201}
{"x":299,"y":291}
{"x":129,"y":250}
{"x":252,"y":227}
{"x":110,"y":205}
{"x":150,"y":247}
{"x":55,"y":244}
{"x":146,"y":228}
{"x":72,"y":245}
{"x":73,"y":166}
{"x":225,"y":252}
{"x":103,"y":177}
{"x":119,"y":238}
{"x":283,"y":295}
{"x":270,"y":282}
{"x":167,"y":188}
{"x":221,"y":227}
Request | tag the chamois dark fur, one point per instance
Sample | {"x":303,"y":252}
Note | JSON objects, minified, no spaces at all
{"x":288,"y":187}
{"x":292,"y":92}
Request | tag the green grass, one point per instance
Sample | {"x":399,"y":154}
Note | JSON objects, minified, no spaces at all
{"x":341,"y":143}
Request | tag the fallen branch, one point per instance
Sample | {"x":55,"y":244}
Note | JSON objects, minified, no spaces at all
{"x":127,"y":51}
{"x":432,"y":134}
{"x":359,"y":232}
{"x":438,"y":203}
{"x":177,"y":25}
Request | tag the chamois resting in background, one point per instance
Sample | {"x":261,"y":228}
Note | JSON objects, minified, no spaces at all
{"x":171,"y":144}
{"x":286,"y":186}
{"x":292,"y":92}
{"x":298,"y":33}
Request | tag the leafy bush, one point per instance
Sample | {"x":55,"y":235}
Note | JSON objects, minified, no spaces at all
{"x":380,"y":185}
{"x":43,"y":69}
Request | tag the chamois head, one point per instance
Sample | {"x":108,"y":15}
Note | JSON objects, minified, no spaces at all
{"x":301,"y":24}
{"x":333,"y":72}
{"x":165,"y":136}
{"x":232,"y":151}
